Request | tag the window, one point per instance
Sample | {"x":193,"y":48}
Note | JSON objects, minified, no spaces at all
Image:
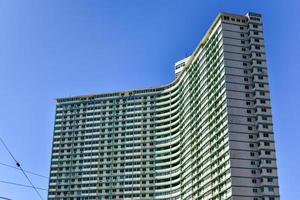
{"x":262,"y":101}
{"x":263,"y":110}
{"x":270,"y":180}
{"x":241,"y":28}
{"x":262,"y":93}
{"x":266,"y":135}
{"x":226,"y":17}
{"x":268,"y":152}
{"x":267,"y":143}
{"x":265,"y":126}
{"x":264,"y":118}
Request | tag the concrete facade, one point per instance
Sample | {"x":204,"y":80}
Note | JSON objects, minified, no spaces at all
{"x":208,"y":135}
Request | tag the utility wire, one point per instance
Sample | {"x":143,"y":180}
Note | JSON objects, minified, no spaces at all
{"x":5,"y":198}
{"x":28,"y":172}
{"x":18,"y":164}
{"x":22,"y":185}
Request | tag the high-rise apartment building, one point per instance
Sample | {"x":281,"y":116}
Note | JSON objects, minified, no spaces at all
{"x":207,"y":135}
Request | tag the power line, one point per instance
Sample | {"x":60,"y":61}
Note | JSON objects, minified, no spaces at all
{"x":8,"y":151}
{"x":28,"y":172}
{"x":5,"y":198}
{"x":22,"y":185}
{"x":18,"y":164}
{"x":31,"y":184}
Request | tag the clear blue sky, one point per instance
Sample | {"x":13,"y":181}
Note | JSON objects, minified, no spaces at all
{"x":57,"y":48}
